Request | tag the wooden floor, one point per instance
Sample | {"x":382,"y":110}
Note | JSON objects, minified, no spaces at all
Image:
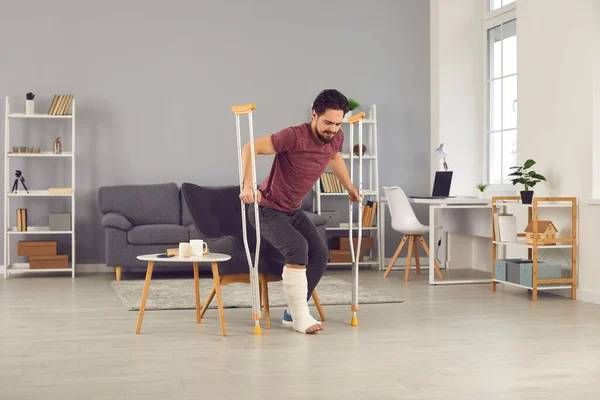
{"x":73,"y":339}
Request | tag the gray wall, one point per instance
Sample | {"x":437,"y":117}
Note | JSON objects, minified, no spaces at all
{"x":155,"y":81}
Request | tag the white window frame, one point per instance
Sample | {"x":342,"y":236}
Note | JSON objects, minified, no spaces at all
{"x":492,"y":19}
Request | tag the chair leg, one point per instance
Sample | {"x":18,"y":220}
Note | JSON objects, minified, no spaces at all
{"x":417,"y":261}
{"x":411,"y":244}
{"x":264,"y":287}
{"x":396,"y":254}
{"x":118,"y":271}
{"x":426,"y":248}
{"x":318,"y":304}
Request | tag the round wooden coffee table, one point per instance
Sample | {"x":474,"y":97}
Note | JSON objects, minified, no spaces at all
{"x":212,"y":258}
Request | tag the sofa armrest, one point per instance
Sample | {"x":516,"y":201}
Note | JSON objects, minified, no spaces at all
{"x":115,"y":220}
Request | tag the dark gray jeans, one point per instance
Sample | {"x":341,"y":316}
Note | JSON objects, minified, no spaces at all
{"x":296,"y":238}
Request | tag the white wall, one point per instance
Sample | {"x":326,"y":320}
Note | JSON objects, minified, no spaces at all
{"x":457,"y":90}
{"x":556,"y":47}
{"x":457,"y":107}
{"x":559,"y":107}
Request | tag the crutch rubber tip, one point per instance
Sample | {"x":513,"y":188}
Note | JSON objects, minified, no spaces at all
{"x":354,"y":321}
{"x":257,"y":330}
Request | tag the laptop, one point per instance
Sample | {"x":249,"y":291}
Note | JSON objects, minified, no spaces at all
{"x":441,"y":186}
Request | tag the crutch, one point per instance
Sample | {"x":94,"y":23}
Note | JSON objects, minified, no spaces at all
{"x":253,"y":268}
{"x":358,"y":118}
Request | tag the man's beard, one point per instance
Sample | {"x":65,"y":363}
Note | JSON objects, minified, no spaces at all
{"x":324,"y":138}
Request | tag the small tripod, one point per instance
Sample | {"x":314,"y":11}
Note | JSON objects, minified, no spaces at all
{"x":19,"y":176}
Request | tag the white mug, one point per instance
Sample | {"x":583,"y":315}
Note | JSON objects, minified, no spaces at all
{"x":185,"y":250}
{"x":199,"y":247}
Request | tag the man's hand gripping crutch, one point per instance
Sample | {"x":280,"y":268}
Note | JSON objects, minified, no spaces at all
{"x":256,"y":310}
{"x":356,"y":119}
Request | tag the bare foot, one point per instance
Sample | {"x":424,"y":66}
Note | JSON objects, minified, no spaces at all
{"x":315,"y":328}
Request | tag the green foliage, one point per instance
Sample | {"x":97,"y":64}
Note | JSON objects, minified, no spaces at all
{"x":481,"y":187}
{"x":525,"y":177}
{"x":353,"y":104}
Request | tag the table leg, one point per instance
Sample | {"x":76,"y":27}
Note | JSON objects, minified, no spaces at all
{"x":217,"y":279}
{"x":431,"y":244}
{"x":197,"y":291}
{"x":144,"y":296}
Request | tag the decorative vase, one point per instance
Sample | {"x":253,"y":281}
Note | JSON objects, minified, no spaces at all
{"x":57,"y":146}
{"x":29,"y":107}
{"x":355,"y":149}
{"x":526,"y":196}
{"x":481,"y":195}
{"x":348,"y":114}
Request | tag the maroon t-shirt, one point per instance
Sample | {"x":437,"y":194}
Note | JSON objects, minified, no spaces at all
{"x":299,"y":162}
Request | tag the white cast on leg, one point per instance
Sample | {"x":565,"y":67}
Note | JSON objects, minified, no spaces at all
{"x":295,"y":286}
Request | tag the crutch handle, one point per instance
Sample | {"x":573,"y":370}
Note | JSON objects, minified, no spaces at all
{"x":355,"y":118}
{"x":245,"y":109}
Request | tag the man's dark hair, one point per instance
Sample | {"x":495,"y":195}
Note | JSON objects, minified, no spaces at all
{"x":330,"y":99}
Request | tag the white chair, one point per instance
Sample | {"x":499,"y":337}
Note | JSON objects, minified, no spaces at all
{"x":405,"y":221}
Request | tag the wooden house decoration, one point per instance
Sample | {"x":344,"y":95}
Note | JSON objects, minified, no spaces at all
{"x":546,"y":232}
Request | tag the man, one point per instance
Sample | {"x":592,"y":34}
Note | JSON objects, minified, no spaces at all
{"x":303,"y":153}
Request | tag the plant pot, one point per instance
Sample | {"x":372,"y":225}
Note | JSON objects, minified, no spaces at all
{"x":526,"y":196}
{"x":29,"y":107}
{"x":348,"y":114}
{"x":481,"y":195}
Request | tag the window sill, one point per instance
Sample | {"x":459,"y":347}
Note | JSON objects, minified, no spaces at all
{"x":499,"y":189}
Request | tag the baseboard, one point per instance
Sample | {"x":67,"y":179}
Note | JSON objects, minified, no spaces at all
{"x":589,"y":296}
{"x":399,"y":264}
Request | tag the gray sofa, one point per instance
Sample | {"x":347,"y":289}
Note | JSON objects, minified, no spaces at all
{"x":143,"y":219}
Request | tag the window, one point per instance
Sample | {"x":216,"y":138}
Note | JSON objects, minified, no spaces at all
{"x":493,"y":5}
{"x":500,"y":30}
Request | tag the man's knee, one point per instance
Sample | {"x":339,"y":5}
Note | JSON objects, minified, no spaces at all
{"x":320,"y":254}
{"x":297,"y":253}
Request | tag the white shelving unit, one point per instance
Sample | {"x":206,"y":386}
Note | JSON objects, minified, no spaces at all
{"x":11,"y":231}
{"x":370,"y":187}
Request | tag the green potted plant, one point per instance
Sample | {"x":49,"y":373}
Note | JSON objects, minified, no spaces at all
{"x":526,"y":177}
{"x":481,"y":187}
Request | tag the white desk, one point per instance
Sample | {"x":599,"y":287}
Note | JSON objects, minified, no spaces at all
{"x":460,"y":215}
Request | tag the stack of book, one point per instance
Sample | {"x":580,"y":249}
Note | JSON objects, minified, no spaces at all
{"x":331,"y":184}
{"x":21,"y":219}
{"x":60,"y":104}
{"x":368,"y":214}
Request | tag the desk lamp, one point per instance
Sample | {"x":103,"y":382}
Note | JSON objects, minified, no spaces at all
{"x":441,"y":152}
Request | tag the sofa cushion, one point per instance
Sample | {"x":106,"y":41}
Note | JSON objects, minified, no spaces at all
{"x":158,"y":234}
{"x":142,"y":204}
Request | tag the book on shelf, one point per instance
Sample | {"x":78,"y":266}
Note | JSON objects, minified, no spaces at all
{"x":331,"y":184}
{"x":60,"y":190}
{"x":368,"y":217}
{"x":21,"y":219}
{"x":60,"y":104}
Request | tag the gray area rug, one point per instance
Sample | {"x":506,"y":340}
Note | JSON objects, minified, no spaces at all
{"x":178,"y":294}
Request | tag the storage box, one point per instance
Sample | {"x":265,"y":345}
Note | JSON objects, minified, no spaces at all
{"x":343,"y":243}
{"x":338,"y":256}
{"x":36,"y":247}
{"x":49,"y":262}
{"x":513,"y":270}
{"x":332,"y":217}
{"x":500,"y":267}
{"x":521,"y":272}
{"x":545,"y":271}
{"x":60,"y":222}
